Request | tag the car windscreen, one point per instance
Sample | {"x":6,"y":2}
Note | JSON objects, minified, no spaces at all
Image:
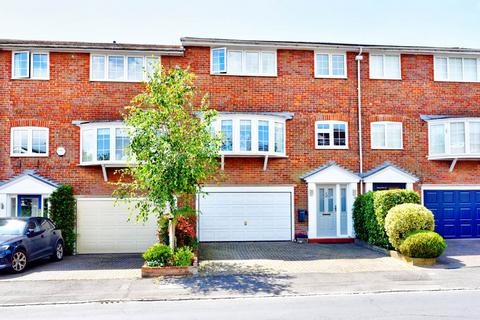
{"x":12,"y":227}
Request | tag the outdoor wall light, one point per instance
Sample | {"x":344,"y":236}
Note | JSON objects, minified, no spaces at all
{"x":61,"y":151}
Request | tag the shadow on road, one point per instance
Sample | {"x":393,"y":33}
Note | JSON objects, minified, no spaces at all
{"x":233,"y":278}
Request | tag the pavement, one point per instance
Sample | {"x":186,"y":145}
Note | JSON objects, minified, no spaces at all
{"x":398,"y":305}
{"x":241,"y":270}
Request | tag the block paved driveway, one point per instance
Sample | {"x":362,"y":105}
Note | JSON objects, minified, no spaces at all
{"x":291,"y":257}
{"x":81,"y":267}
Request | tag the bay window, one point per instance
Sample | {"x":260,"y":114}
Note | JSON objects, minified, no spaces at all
{"x":461,"y":69}
{"x":386,"y":135}
{"x":251,"y":62}
{"x":29,"y":142}
{"x":454,"y":138}
{"x":121,"y":68}
{"x":103,"y":143}
{"x":250,"y":134}
{"x":331,"y":135}
{"x":30,"y":65}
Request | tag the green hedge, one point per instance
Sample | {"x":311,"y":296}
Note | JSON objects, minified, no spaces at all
{"x":370,"y":210}
{"x":63,"y":213}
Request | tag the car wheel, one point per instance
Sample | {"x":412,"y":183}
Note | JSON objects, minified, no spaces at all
{"x":59,"y":251}
{"x":19,"y":261}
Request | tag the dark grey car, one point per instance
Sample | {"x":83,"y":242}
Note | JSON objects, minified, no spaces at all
{"x":23,"y":240}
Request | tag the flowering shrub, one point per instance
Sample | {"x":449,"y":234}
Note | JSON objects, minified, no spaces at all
{"x":185,"y":230}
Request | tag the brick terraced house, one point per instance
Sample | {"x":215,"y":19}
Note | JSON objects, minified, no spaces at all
{"x":294,"y":155}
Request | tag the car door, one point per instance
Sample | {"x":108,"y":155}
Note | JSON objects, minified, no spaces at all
{"x":45,"y":240}
{"x":50,"y":235}
{"x":32,"y":241}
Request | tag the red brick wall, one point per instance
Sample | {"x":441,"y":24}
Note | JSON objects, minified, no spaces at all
{"x":69,"y":95}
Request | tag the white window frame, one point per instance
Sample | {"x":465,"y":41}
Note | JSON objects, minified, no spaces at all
{"x":125,"y":64}
{"x":386,"y":124}
{"x":331,"y":123}
{"x":30,"y":65}
{"x":102,"y":125}
{"x":330,"y":64}
{"x":254,"y":120}
{"x":29,"y":142}
{"x":243,"y":72}
{"x":384,"y":54}
{"x":447,"y":139}
{"x":448,"y":57}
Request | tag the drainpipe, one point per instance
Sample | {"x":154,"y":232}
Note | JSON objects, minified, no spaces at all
{"x":359,"y":59}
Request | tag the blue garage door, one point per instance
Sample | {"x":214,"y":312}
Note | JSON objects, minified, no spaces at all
{"x":457,"y":212}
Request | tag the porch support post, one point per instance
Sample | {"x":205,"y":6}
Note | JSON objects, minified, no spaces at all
{"x":351,"y":195}
{"x":312,"y":210}
{"x":409,"y":186}
{"x":338,"y":207}
{"x":368,"y":186}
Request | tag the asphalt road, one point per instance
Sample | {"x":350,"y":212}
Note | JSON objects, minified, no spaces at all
{"x":409,"y":305}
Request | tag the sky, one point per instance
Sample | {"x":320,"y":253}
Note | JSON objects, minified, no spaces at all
{"x":449,"y":23}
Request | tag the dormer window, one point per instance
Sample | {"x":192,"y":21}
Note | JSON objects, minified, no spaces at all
{"x":243,"y":62}
{"x":30,"y":65}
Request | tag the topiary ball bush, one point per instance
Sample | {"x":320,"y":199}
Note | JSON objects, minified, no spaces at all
{"x":405,"y":218}
{"x":158,"y":255}
{"x":423,"y":244}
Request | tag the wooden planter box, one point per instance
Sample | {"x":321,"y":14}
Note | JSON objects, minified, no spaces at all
{"x":153,"y":272}
{"x":413,"y":261}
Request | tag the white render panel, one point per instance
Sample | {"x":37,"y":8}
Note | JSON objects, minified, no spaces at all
{"x":104,"y":228}
{"x":245,"y":216}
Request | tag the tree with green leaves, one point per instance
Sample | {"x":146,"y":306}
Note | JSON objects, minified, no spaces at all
{"x":172,"y":150}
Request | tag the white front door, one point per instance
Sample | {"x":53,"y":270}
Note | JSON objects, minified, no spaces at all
{"x":332,"y":211}
{"x":327,"y":217}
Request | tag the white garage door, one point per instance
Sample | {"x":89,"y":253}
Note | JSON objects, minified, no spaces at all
{"x":103,"y":228}
{"x":245,"y":216}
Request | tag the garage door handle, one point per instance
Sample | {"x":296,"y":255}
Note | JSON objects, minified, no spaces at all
{"x":245,"y":223}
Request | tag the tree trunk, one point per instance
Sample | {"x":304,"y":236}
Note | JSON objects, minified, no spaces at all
{"x":171,"y":227}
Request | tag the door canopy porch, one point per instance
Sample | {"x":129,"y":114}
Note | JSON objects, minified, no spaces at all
{"x":330,"y":173}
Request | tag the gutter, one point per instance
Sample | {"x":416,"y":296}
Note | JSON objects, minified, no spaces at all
{"x":359,"y":59}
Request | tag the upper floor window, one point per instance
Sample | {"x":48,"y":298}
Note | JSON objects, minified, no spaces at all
{"x":330,"y":65}
{"x":30,"y":65}
{"x":331,"y":135}
{"x":251,"y":134}
{"x":386,"y":135}
{"x":29,"y":142}
{"x":454,"y":138}
{"x":103,"y":143}
{"x":460,"y":69}
{"x":121,"y":67}
{"x":385,"y":66}
{"x":243,"y":62}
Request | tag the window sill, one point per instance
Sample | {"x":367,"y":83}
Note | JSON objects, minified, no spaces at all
{"x":396,"y":79}
{"x":454,"y":156}
{"x":31,"y":79}
{"x":458,"y":81}
{"x":331,"y":77}
{"x":28,"y":155}
{"x":382,"y":148}
{"x":245,"y":75}
{"x":331,"y":148}
{"x":253,"y":155}
{"x":119,"y":81}
{"x":112,"y":164}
